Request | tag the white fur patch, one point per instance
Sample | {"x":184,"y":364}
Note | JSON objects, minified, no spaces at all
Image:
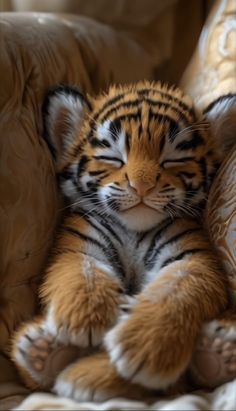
{"x":103,"y":130}
{"x":65,"y":336}
{"x":117,"y":148}
{"x":214,"y":329}
{"x":75,"y":390}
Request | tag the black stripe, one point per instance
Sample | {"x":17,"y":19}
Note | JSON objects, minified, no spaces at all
{"x":91,"y":223}
{"x":160,"y":117}
{"x":116,"y":188}
{"x":148,"y":127}
{"x":127,"y":104}
{"x":95,"y":142}
{"x":203,"y":168}
{"x":115,"y":128}
{"x":173,"y":131}
{"x":182,"y":255}
{"x":108,"y":227}
{"x":134,"y":116}
{"x":84,"y":237}
{"x":162,"y":142}
{"x":137,"y":102}
{"x":166,"y":190}
{"x":141,"y":238}
{"x":107,"y":104}
{"x":81,"y":164}
{"x":130,"y":116}
{"x":168,"y":96}
{"x":93,"y":186}
{"x":142,"y":93}
{"x":156,"y":237}
{"x":77,"y":149}
{"x":191,"y":191}
{"x":109,"y":250}
{"x":179,"y":113}
{"x":127,"y":141}
{"x":191,"y":144}
{"x":100,"y":230}
{"x":140,"y":130}
{"x":67,"y":175}
{"x":151,"y":262}
{"x":96,"y":173}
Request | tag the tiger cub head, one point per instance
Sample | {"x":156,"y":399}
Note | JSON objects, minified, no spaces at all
{"x":139,"y":153}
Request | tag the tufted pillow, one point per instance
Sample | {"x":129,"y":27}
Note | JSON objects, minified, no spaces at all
{"x":210,"y":75}
{"x":222,"y":216}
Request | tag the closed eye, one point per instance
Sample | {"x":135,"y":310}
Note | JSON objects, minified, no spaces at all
{"x":175,"y":162}
{"x":187,"y":174}
{"x":111,"y":160}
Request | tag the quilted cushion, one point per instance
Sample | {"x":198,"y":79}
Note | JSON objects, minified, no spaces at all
{"x":212,"y":70}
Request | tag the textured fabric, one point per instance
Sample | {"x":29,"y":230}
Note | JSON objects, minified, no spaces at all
{"x":223,"y":398}
{"x":160,"y":26}
{"x":212,"y":70}
{"x":210,"y":74}
{"x":222,"y":218}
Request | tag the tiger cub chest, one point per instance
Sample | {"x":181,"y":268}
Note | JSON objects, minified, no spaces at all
{"x":129,"y":255}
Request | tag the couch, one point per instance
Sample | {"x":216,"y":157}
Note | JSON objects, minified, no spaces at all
{"x":39,"y":50}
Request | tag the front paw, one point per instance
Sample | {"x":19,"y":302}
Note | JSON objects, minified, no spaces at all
{"x":93,"y":378}
{"x":84,"y":318}
{"x":146,"y":349}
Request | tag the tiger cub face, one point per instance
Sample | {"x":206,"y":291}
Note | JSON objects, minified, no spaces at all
{"x":139,"y":153}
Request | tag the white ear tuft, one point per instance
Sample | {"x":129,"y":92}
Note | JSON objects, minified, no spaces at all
{"x":63,"y":110}
{"x":221,"y":114}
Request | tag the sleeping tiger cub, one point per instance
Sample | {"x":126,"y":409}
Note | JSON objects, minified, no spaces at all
{"x":133,"y":277}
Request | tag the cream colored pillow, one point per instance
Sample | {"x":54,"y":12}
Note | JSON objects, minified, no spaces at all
{"x":211,"y":74}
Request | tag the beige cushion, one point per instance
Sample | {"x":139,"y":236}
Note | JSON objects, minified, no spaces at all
{"x":222,"y":217}
{"x":212,"y":70}
{"x":211,"y":74}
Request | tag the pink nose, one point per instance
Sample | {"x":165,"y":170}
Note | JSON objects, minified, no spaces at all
{"x":141,"y":187}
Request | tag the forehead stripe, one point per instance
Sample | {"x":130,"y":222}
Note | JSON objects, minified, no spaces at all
{"x":143,"y":92}
{"x":152,"y":103}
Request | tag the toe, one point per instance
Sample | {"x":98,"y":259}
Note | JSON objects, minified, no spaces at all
{"x":217,"y":343}
{"x":38,"y":365}
{"x":42,"y":343}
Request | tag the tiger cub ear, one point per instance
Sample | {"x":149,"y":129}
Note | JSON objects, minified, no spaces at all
{"x":221,"y":114}
{"x":63,"y":110}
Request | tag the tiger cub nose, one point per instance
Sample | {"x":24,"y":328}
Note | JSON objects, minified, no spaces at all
{"x":141,"y":187}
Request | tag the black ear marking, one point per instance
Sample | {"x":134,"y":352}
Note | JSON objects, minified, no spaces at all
{"x":62,"y":110}
{"x":221,"y":115}
{"x":63,"y":89}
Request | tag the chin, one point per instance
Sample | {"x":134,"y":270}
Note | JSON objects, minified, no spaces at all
{"x":141,"y":218}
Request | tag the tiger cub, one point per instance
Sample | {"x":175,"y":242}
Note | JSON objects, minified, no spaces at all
{"x":133,"y":276}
